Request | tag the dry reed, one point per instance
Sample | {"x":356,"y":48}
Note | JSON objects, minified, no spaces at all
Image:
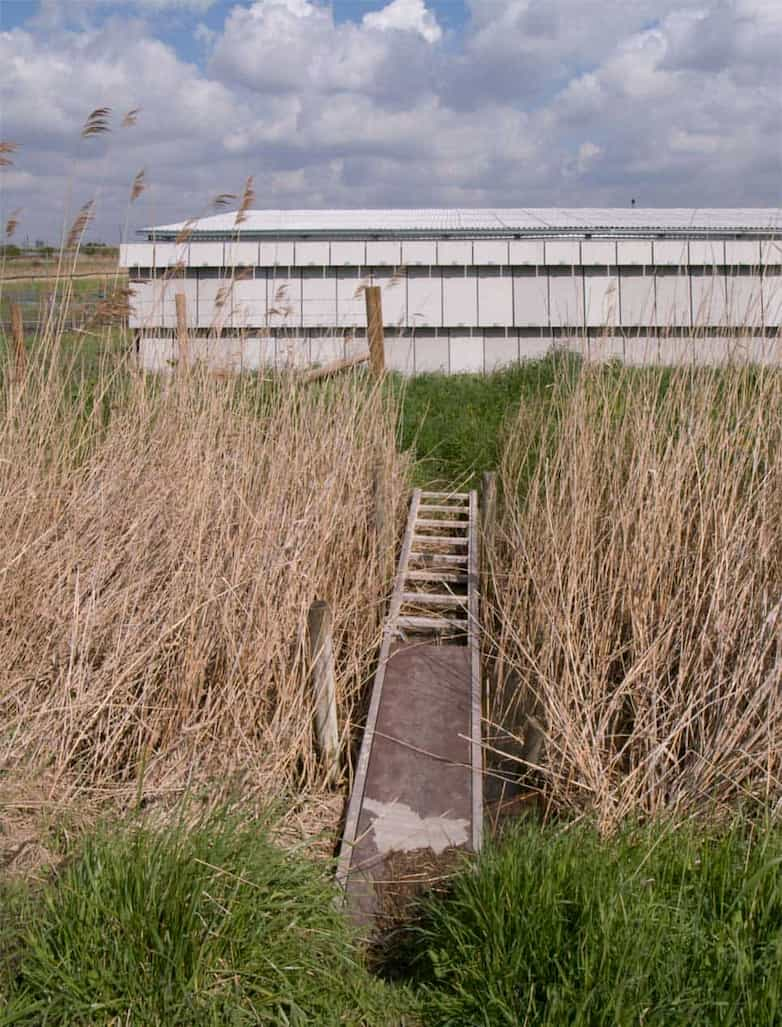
{"x":160,"y":551}
{"x":640,"y":593}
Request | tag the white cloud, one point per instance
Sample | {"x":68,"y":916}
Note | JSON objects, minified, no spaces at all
{"x":536,"y":104}
{"x":406,"y":16}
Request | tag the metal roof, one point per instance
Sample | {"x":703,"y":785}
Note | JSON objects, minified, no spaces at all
{"x":519,"y":221}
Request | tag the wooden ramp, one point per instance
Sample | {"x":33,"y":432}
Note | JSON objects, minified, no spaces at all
{"x":418,"y":783}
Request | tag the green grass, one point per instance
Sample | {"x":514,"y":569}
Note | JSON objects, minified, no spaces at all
{"x":653,"y":927}
{"x":453,"y":423}
{"x":208,"y":926}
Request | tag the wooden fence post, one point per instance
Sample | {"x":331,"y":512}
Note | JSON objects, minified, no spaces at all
{"x":183,"y":355}
{"x":321,"y":666}
{"x":17,"y":332}
{"x":377,"y":351}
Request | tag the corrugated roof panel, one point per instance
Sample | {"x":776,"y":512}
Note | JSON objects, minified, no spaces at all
{"x":492,"y":221}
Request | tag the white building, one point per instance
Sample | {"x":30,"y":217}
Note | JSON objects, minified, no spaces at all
{"x":463,"y":290}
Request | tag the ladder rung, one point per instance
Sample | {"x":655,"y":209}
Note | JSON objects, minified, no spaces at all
{"x":432,"y":623}
{"x":444,"y":576}
{"x":446,"y":495}
{"x":426,"y":523}
{"x":443,"y":509}
{"x":442,"y":540}
{"x":433,"y":599}
{"x":444,"y":557}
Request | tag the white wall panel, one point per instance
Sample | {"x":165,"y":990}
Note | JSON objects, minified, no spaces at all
{"x":636,"y":300}
{"x":601,"y":299}
{"x":311,"y":253}
{"x":259,"y":351}
{"x":709,"y":305}
{"x":400,"y":354}
{"x":772,"y":299}
{"x":640,"y":348}
{"x":466,"y":352}
{"x":460,"y":298}
{"x":566,"y":299}
{"x":355,"y":342}
{"x":215,"y":302}
{"x":141,"y":305}
{"x":136,"y":254}
{"x":742,"y":251}
{"x":326,"y":347}
{"x":419,"y":251}
{"x":490,"y":251}
{"x":604,"y":347}
{"x":745,"y":303}
{"x":237,"y":254}
{"x":431,"y":352}
{"x":671,"y":252}
{"x":424,"y":299}
{"x":165,"y":301}
{"x":206,"y":254}
{"x":499,"y":350}
{"x":530,"y":299}
{"x":771,"y":252}
{"x":384,"y":253}
{"x":526,"y":251}
{"x":634,"y":252}
{"x":563,"y":251}
{"x":598,"y":251}
{"x":454,"y":251}
{"x":767,"y":349}
{"x":280,"y":253}
{"x":284,"y":299}
{"x":351,"y":304}
{"x":495,"y":298}
{"x":250,"y":302}
{"x":536,"y":347}
{"x":707,"y":252}
{"x":673,"y":300}
{"x":156,"y":354}
{"x":393,"y":296}
{"x":318,"y":297}
{"x":171,"y":254}
{"x":352,"y":253}
{"x":292,"y":349}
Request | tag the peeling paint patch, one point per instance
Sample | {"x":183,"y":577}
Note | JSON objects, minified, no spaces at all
{"x":398,"y":828}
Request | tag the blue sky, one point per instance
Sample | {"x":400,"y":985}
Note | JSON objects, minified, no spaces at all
{"x":397,"y":103}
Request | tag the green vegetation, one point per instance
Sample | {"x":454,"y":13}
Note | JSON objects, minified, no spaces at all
{"x":559,"y":926}
{"x":207,"y":925}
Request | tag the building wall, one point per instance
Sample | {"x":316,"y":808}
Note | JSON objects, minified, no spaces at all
{"x":458,"y":305}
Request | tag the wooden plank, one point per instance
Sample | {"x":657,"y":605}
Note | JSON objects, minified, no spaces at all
{"x":444,"y":509}
{"x":333,"y":368}
{"x":441,"y":523}
{"x":389,"y":634}
{"x":321,"y":663}
{"x":374,"y":304}
{"x":444,"y":576}
{"x":446,"y":558}
{"x":432,"y":623}
{"x":463,"y":496}
{"x":442,"y":540}
{"x":476,"y":691}
{"x":433,"y":599}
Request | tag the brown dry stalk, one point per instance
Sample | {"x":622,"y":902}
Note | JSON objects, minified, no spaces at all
{"x":97,"y":123}
{"x":12,"y":223}
{"x":139,"y":185}
{"x":248,"y":198}
{"x":131,"y":117}
{"x":80,"y":225}
{"x":6,"y":148}
{"x":156,"y":569}
{"x":639,"y":590}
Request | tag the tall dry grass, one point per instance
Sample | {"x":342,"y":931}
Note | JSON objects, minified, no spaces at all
{"x":639,"y":591}
{"x":161,"y":546}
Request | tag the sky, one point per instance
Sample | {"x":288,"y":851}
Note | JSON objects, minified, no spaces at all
{"x":408,"y":103}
